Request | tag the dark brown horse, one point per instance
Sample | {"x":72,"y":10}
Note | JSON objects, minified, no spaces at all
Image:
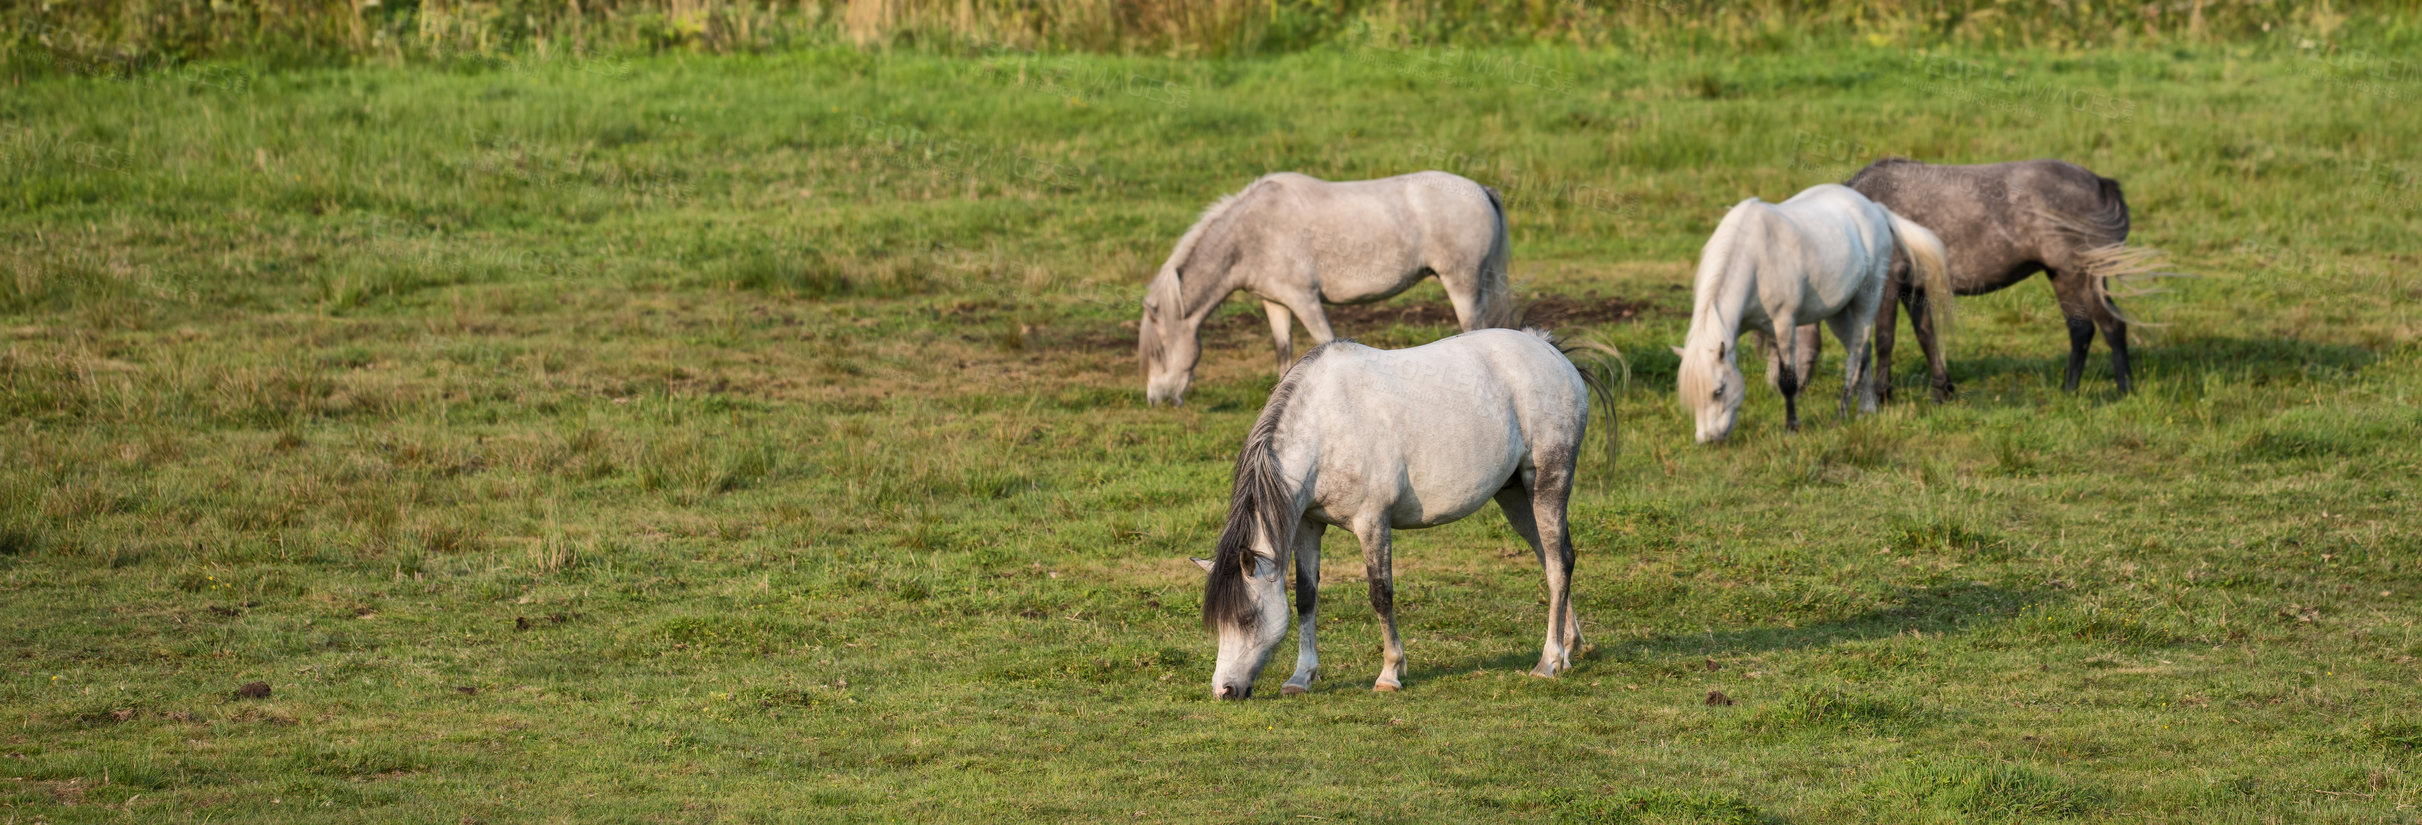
{"x":2001,"y":223}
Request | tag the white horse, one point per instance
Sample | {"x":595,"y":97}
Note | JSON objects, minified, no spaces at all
{"x":1296,"y":241}
{"x":1824,"y":255}
{"x":1379,"y":440}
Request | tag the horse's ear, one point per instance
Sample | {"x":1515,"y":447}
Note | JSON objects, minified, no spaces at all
{"x":1677,"y":352}
{"x":1205,"y":564}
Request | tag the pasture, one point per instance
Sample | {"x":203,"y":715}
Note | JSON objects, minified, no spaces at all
{"x":760,"y":438}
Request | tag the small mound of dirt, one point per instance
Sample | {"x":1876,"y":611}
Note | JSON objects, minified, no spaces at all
{"x":253,"y":690}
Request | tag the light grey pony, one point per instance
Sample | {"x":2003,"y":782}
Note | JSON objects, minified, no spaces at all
{"x":1380,"y":440}
{"x":2002,"y":223}
{"x":1769,"y":268}
{"x":1296,"y":242}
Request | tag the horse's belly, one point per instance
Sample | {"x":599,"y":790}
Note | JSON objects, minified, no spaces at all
{"x":1373,"y":275}
{"x":1824,"y":298}
{"x":1413,"y":514}
{"x":1363,"y":291}
{"x":1434,"y":495}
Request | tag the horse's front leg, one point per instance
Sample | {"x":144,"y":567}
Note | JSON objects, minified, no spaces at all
{"x":1786,"y":344}
{"x":1307,"y":606}
{"x":1374,"y":533}
{"x":1282,"y":332}
{"x":1315,"y":320}
{"x":1299,"y":290}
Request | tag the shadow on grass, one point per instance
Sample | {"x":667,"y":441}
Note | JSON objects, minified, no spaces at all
{"x":1950,"y":609}
{"x":2180,"y":363}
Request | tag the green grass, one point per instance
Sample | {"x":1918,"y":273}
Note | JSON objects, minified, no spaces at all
{"x":756,"y":438}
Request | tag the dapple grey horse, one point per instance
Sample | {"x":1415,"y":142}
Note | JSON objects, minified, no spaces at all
{"x":2001,"y":223}
{"x":1376,"y":441}
{"x":1297,"y":242}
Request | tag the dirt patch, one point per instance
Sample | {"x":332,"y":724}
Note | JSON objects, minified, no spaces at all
{"x":1228,"y":326}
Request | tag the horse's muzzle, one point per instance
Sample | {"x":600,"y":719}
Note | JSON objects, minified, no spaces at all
{"x":1231,"y":692}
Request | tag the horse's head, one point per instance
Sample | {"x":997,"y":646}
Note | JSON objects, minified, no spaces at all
{"x":1711,"y":388}
{"x":1165,"y":342}
{"x":1245,"y":605}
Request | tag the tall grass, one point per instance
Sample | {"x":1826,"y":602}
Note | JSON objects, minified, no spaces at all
{"x":125,"y":36}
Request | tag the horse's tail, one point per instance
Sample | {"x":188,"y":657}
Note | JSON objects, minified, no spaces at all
{"x":1498,"y":306}
{"x":1599,"y":364}
{"x":1930,"y":264}
{"x":2106,"y":257}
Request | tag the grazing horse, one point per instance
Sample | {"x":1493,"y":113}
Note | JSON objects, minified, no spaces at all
{"x":2003,"y":222}
{"x":1770,"y":268}
{"x":1296,"y":242}
{"x":1380,"y":440}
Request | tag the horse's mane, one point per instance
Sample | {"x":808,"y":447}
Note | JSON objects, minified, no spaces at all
{"x":1260,"y":505}
{"x":1202,"y":225}
{"x":1166,"y":294}
{"x":1722,"y":248}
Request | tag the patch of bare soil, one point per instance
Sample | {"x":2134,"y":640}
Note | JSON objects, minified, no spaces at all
{"x":1553,"y":313}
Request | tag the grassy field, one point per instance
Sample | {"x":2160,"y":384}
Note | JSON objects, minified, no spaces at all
{"x":759,"y":438}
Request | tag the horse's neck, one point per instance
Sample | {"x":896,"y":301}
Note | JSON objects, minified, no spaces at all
{"x":1723,"y":301}
{"x":1202,"y":291}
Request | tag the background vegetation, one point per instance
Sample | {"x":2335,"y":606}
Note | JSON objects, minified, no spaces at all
{"x":133,"y":35}
{"x":606,"y":436}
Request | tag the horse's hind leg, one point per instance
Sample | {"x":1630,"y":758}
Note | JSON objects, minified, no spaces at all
{"x":1921,"y":323}
{"x":1374,"y":533}
{"x":1282,"y":332}
{"x":1307,"y":606}
{"x":2077,"y":307}
{"x":2115,"y":333}
{"x":1857,"y":387}
{"x":1529,"y":511}
{"x":1882,"y":376}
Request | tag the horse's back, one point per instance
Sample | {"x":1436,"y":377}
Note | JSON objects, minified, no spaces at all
{"x":1841,"y":226}
{"x":1483,"y":372}
{"x":1431,"y":433}
{"x":2001,"y":222}
{"x":1417,"y":202}
{"x":1369,"y":239}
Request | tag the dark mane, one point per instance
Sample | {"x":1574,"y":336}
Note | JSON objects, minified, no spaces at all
{"x":1259,"y":506}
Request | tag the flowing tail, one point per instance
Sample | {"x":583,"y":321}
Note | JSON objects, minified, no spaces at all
{"x":1498,"y":309}
{"x":2107,"y":256}
{"x":1930,"y":265}
{"x":1599,"y":363}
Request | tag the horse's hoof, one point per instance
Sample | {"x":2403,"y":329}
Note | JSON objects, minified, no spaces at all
{"x":1293,"y":690}
{"x":1384,"y":687}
